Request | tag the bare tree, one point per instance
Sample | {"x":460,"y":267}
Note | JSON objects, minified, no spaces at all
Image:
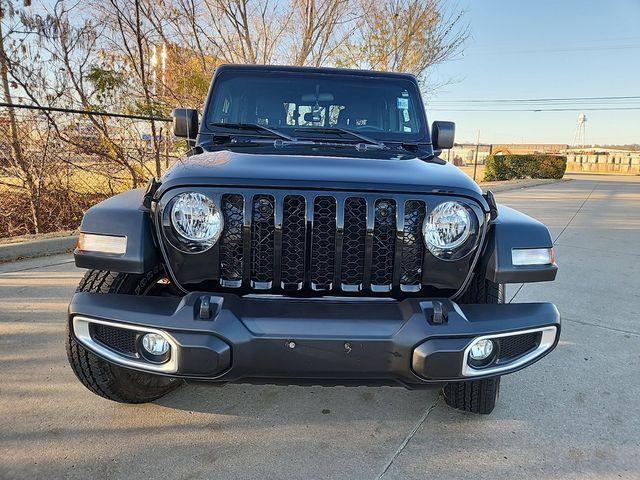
{"x":316,"y":27}
{"x":17,"y":164}
{"x":404,"y":35}
{"x":225,"y":31}
{"x":129,"y":36}
{"x":73,"y":77}
{"x":104,"y":54}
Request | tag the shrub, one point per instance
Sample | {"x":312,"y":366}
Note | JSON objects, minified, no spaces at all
{"x":61,"y":210}
{"x":509,"y":167}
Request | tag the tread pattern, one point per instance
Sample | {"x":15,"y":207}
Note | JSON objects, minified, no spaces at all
{"x":475,"y":396}
{"x":481,"y":290}
{"x":100,"y":377}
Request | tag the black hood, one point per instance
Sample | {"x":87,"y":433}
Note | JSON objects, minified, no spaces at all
{"x":319,"y":173}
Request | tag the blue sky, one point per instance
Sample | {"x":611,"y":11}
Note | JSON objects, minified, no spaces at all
{"x":544,"y":49}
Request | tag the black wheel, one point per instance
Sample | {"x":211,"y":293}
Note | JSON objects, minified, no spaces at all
{"x":101,"y":377}
{"x":476,"y":396}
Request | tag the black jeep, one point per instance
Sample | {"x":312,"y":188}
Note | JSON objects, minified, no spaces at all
{"x":311,"y":235}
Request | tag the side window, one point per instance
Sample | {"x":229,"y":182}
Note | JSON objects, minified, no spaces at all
{"x":309,"y":115}
{"x":290,"y":108}
{"x":225,"y":110}
{"x":222,"y":108}
{"x":406,"y":122}
{"x":302,"y":115}
{"x":406,"y":113}
{"x":334,"y":114}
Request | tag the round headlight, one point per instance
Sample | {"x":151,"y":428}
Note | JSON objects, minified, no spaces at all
{"x":447,"y":228}
{"x":196,"y":218}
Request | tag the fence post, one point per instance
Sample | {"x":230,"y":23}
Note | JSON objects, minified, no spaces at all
{"x":475,"y":162}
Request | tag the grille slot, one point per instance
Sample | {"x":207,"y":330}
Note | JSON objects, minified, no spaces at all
{"x":293,"y":242}
{"x":262,"y":241}
{"x":355,"y":231}
{"x":515,"y":346}
{"x":231,"y":258}
{"x":412,"y":245}
{"x":121,"y":340}
{"x":384,"y":244}
{"x":323,"y":243}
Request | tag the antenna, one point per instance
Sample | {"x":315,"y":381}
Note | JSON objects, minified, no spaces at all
{"x":579,"y":137}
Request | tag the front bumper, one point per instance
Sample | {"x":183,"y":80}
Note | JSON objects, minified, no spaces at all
{"x":320,"y":341}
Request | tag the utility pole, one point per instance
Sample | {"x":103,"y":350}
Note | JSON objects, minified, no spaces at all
{"x":475,"y":162}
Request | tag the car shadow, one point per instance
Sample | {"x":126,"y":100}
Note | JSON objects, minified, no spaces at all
{"x":302,"y":402}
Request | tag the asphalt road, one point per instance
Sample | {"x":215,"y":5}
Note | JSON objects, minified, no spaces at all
{"x":573,"y":415}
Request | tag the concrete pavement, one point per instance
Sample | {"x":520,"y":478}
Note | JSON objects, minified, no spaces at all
{"x":573,"y":415}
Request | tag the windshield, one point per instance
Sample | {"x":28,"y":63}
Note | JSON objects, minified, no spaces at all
{"x":308,"y":104}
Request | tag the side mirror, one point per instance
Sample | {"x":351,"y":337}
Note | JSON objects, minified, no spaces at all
{"x":185,"y":123}
{"x":442,"y":135}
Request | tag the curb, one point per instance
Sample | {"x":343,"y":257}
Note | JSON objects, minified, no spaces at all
{"x":496,"y":187}
{"x":37,"y":248}
{"x":51,"y":246}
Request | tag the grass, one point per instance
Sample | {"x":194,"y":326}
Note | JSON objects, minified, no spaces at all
{"x":479,"y":172}
{"x":79,"y":180}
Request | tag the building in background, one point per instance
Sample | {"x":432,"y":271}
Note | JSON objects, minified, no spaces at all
{"x":464,"y":154}
{"x":528,"y":148}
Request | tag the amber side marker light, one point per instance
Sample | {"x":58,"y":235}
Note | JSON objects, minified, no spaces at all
{"x":532,"y":256}
{"x":91,"y":242}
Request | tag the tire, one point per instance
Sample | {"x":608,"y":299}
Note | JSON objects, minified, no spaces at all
{"x":101,"y":377}
{"x":476,"y":396}
{"x":481,"y":290}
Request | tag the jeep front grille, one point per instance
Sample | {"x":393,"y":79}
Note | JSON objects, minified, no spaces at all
{"x":325,"y":243}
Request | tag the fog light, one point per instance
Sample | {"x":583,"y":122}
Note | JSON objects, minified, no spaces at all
{"x":481,"y":350}
{"x":155,"y":344}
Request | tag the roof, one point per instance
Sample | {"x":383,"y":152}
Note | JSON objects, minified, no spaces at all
{"x":325,"y":70}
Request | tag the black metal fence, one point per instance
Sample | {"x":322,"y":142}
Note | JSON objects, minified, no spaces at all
{"x":58,"y":162}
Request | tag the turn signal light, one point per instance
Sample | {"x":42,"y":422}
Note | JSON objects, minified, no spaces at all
{"x":532,"y":256}
{"x":90,"y":242}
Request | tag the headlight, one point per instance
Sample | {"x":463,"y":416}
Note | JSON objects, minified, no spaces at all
{"x":448,"y":227}
{"x":196,"y":219}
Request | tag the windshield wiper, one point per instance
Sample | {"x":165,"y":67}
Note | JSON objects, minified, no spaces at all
{"x":284,"y":140}
{"x":364,"y":138}
{"x":255,"y":127}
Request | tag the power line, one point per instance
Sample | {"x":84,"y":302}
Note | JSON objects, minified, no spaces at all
{"x":559,"y":99}
{"x":169,"y":119}
{"x":529,"y":109}
{"x":86,"y":112}
{"x":557,"y":104}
